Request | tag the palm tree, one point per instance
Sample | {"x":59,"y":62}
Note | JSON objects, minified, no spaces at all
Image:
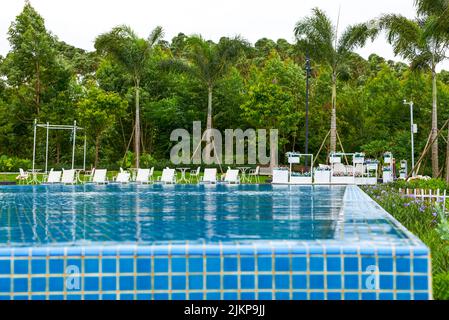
{"x":133,"y":53}
{"x":208,"y":62}
{"x":414,"y":41}
{"x":438,"y":26}
{"x":317,"y":35}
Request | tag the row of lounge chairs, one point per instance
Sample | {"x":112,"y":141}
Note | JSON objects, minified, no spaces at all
{"x":144,"y":176}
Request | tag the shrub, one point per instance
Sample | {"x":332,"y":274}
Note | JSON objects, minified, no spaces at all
{"x":13,"y":164}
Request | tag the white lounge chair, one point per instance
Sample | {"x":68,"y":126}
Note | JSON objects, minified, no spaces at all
{"x":232,"y":177}
{"x":151,"y":175}
{"x":143,"y":176}
{"x":195,"y":174}
{"x":255,"y":173}
{"x":23,"y":175}
{"x":339,"y":169}
{"x":210,"y":176}
{"x":54,"y":177}
{"x":68,"y":177}
{"x":168,"y":176}
{"x":123,"y":177}
{"x":359,"y":170}
{"x":100,"y":176}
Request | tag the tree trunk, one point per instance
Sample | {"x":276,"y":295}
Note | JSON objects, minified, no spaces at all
{"x":137,"y":128}
{"x":209,"y":108}
{"x":447,"y":158}
{"x":37,"y":88}
{"x":209,"y":149}
{"x":97,"y":150}
{"x":333,"y":144}
{"x":435,"y":166}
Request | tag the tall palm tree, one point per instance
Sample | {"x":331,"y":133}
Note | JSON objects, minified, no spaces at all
{"x":208,"y":62}
{"x":414,"y":41}
{"x":319,"y":36}
{"x":133,"y":53}
{"x":438,"y":26}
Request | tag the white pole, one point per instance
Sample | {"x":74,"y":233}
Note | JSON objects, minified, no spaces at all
{"x":34,"y":144}
{"x":413,"y":138}
{"x":46,"y":151}
{"x":85,"y":144}
{"x":73,"y":148}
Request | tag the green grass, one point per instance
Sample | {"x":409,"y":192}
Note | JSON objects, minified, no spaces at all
{"x":424,"y":221}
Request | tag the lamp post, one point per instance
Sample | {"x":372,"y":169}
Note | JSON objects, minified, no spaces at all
{"x":413,"y":130}
{"x":308,"y":69}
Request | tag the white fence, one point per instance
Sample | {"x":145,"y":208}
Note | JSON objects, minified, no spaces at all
{"x":431,"y":196}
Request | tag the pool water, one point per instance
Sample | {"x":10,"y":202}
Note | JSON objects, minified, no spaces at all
{"x":162,"y":228}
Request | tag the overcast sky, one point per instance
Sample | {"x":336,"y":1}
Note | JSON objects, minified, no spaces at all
{"x":78,"y":22}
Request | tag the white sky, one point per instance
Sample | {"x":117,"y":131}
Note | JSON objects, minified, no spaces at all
{"x":78,"y":22}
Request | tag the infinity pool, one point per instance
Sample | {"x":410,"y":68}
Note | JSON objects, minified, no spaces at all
{"x":205,"y":242}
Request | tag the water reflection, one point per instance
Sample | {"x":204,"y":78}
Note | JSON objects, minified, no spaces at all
{"x":143,"y":214}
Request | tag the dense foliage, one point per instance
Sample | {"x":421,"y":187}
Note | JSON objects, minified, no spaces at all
{"x":425,"y":220}
{"x":258,"y":86}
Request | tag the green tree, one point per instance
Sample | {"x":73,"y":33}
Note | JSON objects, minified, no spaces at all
{"x":274,"y":96}
{"x":414,"y":41}
{"x":98,"y":112}
{"x":29,"y":64}
{"x":133,"y":53}
{"x":317,"y":35}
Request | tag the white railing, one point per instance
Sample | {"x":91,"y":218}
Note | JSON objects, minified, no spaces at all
{"x":426,"y":195}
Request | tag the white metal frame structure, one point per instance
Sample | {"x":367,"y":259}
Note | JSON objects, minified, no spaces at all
{"x":49,"y":127}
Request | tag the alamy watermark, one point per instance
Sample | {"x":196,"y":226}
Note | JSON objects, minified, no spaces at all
{"x":190,"y":150}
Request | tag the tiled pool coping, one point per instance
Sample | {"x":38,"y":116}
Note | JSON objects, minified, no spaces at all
{"x":248,"y":270}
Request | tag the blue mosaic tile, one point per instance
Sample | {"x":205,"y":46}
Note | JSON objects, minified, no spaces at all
{"x":20,"y":285}
{"x":178,"y":264}
{"x":126,"y":283}
{"x":230,"y":282}
{"x":5,"y":284}
{"x":282,"y":282}
{"x":351,"y":264}
{"x":213,"y":282}
{"x":178,"y":296}
{"x":334,"y":296}
{"x":248,"y":296}
{"x":247,"y":282}
{"x":56,"y":266}
{"x":108,"y":265}
{"x":403,"y":282}
{"x":108,"y":283}
{"x":196,"y":264}
{"x":143,"y":283}
{"x":160,"y":296}
{"x":5,"y":266}
{"x":282,"y":296}
{"x":230,"y":296}
{"x":56,"y":284}
{"x":317,"y":296}
{"x":213,"y":264}
{"x":213,"y":296}
{"x":265,"y":281}
{"x":230,"y":264}
{"x":403,"y":265}
{"x":316,"y":264}
{"x":316,"y":281}
{"x":91,"y":284}
{"x":196,"y":282}
{"x":179,"y":282}
{"x":420,"y":265}
{"x":299,"y":282}
{"x":264,"y":264}
{"x":247,"y":264}
{"x":351,"y":281}
{"x":160,"y":265}
{"x":386,"y":264}
{"x":91,"y":266}
{"x":160,"y":282}
{"x":300,"y":296}
{"x":38,"y":266}
{"x":38,"y":284}
{"x":282,"y":264}
{"x":20,"y":266}
{"x":143,"y":265}
{"x":265,"y":296}
{"x":351,"y":296}
{"x":334,"y":282}
{"x":386,"y":282}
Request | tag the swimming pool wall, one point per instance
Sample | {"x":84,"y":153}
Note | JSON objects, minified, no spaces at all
{"x":258,"y":271}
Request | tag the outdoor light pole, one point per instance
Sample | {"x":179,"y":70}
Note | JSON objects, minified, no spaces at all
{"x":307,"y":102}
{"x":412,"y":132}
